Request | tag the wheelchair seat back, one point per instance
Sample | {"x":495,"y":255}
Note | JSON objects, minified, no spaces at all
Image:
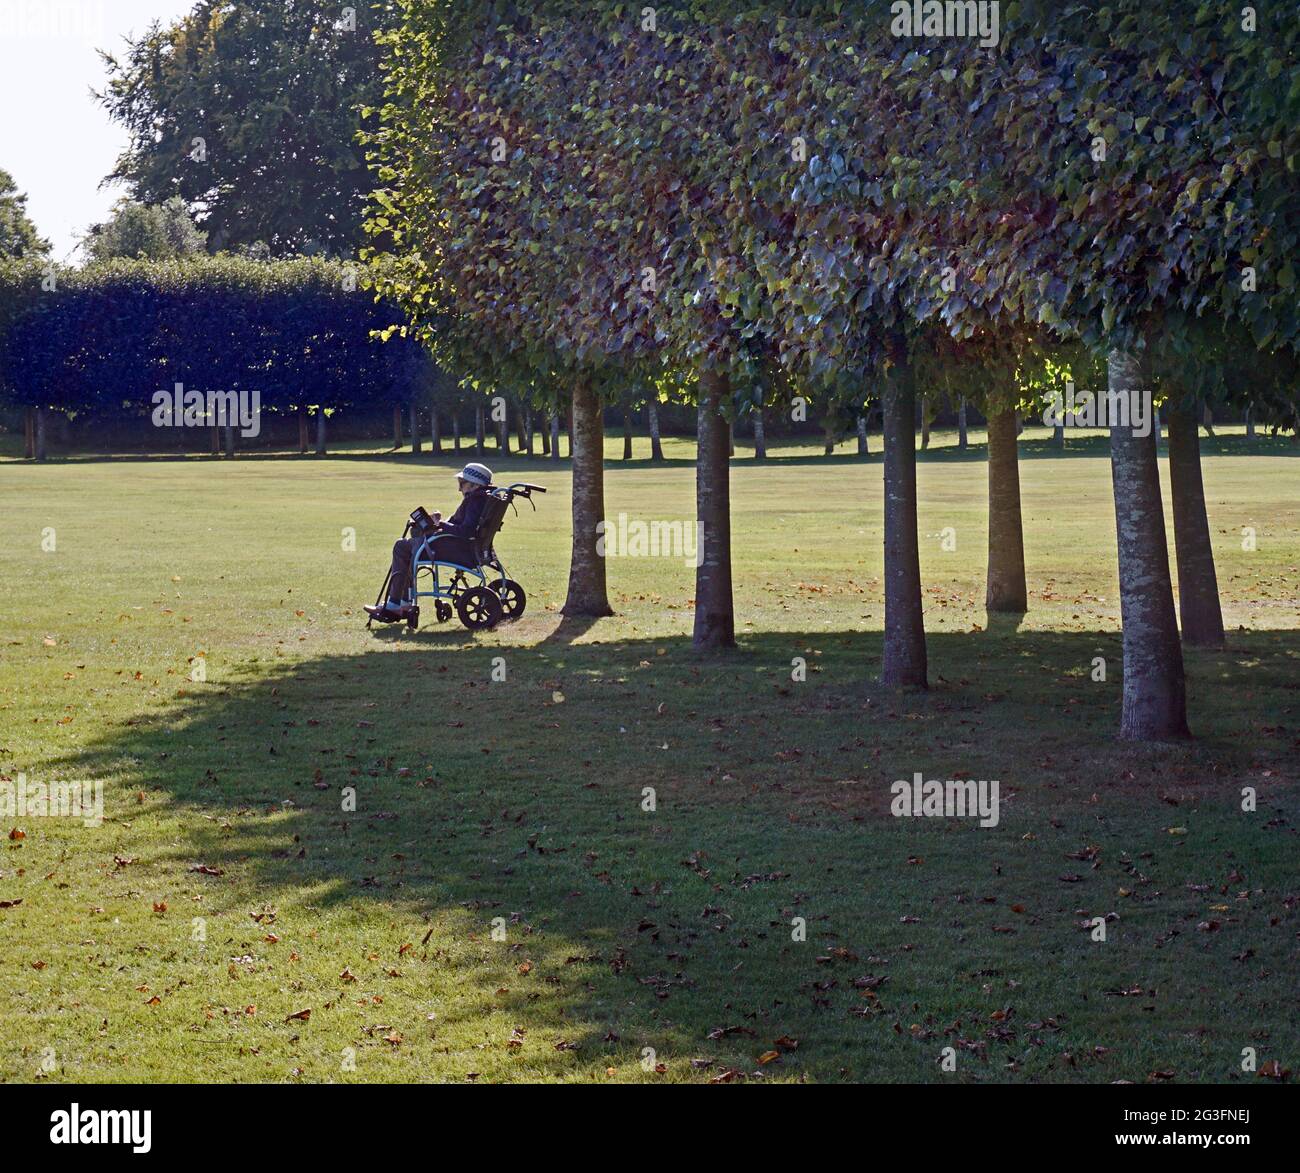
{"x":494,"y":513}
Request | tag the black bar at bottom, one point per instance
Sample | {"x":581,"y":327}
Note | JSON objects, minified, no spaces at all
{"x":372,"y":1120}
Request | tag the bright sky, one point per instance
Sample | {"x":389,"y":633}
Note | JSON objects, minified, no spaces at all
{"x":55,"y":139}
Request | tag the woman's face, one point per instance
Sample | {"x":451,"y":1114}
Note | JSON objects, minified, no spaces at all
{"x":463,"y":485}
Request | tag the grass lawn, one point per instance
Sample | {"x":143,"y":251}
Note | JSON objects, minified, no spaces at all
{"x":521,"y":801}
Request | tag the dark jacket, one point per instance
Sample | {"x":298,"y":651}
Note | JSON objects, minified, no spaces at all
{"x":464,"y":522}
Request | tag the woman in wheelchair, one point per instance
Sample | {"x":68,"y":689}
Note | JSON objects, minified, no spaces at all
{"x":473,"y":481}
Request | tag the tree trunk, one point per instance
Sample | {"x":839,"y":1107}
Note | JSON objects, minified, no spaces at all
{"x":652,"y":424}
{"x":29,"y":433}
{"x":925,"y":422}
{"x":455,"y":430}
{"x":320,"y":431}
{"x":1005,"y":588}
{"x":1154,"y":707}
{"x":435,"y":433}
{"x":229,"y":430}
{"x":862,"y":436}
{"x":627,"y":431}
{"x":526,"y":430}
{"x":760,"y":436}
{"x":731,"y":439}
{"x":587,"y":595}
{"x":545,"y":433}
{"x":555,"y":434}
{"x":1207,"y":420}
{"x":41,"y":450}
{"x":1250,"y":421}
{"x":1155,"y":415}
{"x":905,"y":653}
{"x":397,"y":426}
{"x":415,"y":429}
{"x":1058,"y":436}
{"x":831,"y":434}
{"x":215,"y":433}
{"x":715,"y":621}
{"x":480,"y":441}
{"x":962,"y":442}
{"x":302,"y":430}
{"x":1198,"y":586}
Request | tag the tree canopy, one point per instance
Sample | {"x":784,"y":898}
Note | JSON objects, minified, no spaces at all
{"x":154,"y":232}
{"x":18,"y":235}
{"x":249,"y":111}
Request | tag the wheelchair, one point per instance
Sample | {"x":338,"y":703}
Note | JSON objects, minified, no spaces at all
{"x":461,"y":584}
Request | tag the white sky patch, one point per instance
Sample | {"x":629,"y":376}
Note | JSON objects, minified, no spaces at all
{"x":55,"y":139}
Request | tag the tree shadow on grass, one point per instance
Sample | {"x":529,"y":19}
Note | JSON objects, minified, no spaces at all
{"x":649,"y":824}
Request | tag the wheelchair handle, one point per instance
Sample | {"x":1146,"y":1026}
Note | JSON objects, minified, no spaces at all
{"x":524,"y":489}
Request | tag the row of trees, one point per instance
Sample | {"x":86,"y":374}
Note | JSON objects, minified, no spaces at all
{"x":749,"y":202}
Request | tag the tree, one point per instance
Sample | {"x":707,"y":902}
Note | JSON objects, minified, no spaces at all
{"x":715,"y":624}
{"x":159,"y":232}
{"x":18,"y":235}
{"x":1006,"y":590}
{"x":905,"y":658}
{"x":248,"y":110}
{"x":1114,"y":236}
{"x":1198,"y":585}
{"x":509,"y":189}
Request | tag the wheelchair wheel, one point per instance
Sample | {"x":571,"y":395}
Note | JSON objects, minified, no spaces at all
{"x":479,"y":608}
{"x":511,"y":594}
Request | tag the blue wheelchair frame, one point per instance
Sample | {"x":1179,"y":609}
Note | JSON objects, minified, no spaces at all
{"x":423,"y":559}
{"x":425,"y":556}
{"x":447,"y":595}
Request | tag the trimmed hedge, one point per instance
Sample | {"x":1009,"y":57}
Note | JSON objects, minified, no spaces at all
{"x":105,"y":339}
